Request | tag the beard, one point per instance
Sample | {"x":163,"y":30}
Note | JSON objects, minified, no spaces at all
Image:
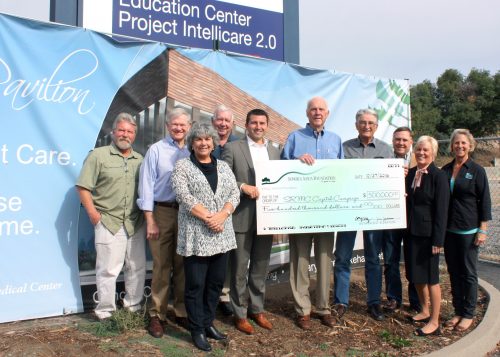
{"x":123,"y":144}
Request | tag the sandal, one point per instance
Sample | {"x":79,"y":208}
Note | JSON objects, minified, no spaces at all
{"x":461,"y":327}
{"x":451,"y":323}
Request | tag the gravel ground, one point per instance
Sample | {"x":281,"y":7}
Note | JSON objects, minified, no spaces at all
{"x":491,"y":250}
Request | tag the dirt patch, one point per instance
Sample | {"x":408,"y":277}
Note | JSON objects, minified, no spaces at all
{"x":356,"y":335}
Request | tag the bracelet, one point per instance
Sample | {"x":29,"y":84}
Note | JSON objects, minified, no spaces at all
{"x":482,"y":231}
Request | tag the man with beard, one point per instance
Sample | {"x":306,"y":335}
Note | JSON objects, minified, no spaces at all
{"x":108,"y":191}
{"x":157,"y":200}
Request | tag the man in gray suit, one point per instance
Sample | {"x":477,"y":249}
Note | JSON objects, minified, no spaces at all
{"x":248,"y":282}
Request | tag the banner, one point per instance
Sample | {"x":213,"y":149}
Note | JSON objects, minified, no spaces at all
{"x":56,"y":86}
{"x":60,"y":89}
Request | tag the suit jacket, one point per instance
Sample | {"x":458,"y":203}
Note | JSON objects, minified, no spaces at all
{"x":237,"y":155}
{"x":427,"y":206}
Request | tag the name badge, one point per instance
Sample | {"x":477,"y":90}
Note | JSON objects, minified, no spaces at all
{"x":468,"y":176}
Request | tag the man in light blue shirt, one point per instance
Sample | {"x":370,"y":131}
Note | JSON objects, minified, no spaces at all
{"x":157,"y":200}
{"x":307,"y":145}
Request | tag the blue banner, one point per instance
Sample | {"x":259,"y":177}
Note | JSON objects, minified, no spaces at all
{"x":56,"y":85}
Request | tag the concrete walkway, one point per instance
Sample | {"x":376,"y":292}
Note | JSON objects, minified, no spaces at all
{"x":486,"y":335}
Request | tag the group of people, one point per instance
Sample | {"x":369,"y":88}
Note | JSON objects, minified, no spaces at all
{"x":196,"y":191}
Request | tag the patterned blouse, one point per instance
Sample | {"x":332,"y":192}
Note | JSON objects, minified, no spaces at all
{"x":192,"y":188}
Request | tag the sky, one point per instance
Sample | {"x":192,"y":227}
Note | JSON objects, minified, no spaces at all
{"x":415,"y":40}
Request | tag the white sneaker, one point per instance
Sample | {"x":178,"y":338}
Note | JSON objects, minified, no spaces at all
{"x":102,"y":315}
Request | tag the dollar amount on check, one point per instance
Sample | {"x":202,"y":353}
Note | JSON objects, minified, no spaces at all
{"x":330,"y":196}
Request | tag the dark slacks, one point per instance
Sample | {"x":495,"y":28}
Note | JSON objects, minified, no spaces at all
{"x":204,"y":280}
{"x":392,"y":258}
{"x":461,"y":256}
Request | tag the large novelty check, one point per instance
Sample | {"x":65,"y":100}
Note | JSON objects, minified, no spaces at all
{"x":329,"y":196}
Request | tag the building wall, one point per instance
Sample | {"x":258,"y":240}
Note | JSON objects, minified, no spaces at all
{"x":200,"y":87}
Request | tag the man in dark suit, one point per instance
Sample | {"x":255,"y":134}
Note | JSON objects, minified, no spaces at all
{"x":248,"y":282}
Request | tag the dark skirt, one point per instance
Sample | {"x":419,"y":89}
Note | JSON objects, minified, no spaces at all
{"x":422,"y":265}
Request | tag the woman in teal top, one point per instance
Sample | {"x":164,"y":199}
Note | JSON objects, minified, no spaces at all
{"x":468,"y":216}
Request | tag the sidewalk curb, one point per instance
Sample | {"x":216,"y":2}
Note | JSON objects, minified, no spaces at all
{"x":484,"y":337}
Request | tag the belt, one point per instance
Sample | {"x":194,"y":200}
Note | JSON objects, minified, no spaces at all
{"x":167,"y":204}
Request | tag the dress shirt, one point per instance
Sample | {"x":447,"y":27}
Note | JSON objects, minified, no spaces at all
{"x":258,"y":151}
{"x":156,"y":171}
{"x":376,"y":149}
{"x":322,"y":145}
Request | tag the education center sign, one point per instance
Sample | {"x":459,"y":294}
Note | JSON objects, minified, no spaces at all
{"x":247,"y":27}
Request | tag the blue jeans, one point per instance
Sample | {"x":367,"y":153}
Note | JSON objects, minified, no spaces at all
{"x":342,"y":269}
{"x":392,"y":257}
{"x":344,"y":246}
{"x":373,"y":242}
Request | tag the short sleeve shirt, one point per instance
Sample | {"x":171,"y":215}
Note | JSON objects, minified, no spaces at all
{"x":112,"y":179}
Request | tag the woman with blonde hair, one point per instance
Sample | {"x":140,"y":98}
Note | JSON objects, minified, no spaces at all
{"x":469,"y":213}
{"x":427,"y":207}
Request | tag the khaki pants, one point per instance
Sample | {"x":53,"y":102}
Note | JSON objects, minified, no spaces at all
{"x":300,"y":253}
{"x":167,"y":265}
{"x":115,"y":252}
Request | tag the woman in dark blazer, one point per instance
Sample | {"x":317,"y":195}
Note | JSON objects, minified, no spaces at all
{"x":469,"y":213}
{"x":427,"y":207}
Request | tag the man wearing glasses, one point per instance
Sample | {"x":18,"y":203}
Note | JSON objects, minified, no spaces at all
{"x":365,"y":146}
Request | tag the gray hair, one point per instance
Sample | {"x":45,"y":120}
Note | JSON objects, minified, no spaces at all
{"x":177,"y":112}
{"x":362,"y":112}
{"x":124,"y":117}
{"x":430,"y":140}
{"x":201,"y":130}
{"x":220,"y":109}
{"x":465,"y":132}
{"x":317,"y":98}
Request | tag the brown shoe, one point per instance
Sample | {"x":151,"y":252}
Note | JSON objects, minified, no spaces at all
{"x":327,"y":320}
{"x":340,"y":310}
{"x":244,"y":326}
{"x":261,"y":320}
{"x":304,"y":322}
{"x":155,"y":327}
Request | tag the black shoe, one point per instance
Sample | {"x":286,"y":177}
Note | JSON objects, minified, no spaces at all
{"x":201,"y":342}
{"x":212,"y":332}
{"x":376,"y":312}
{"x":226,"y":308}
{"x":419,"y":332}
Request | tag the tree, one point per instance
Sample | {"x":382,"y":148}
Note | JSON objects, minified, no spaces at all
{"x":455,"y":101}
